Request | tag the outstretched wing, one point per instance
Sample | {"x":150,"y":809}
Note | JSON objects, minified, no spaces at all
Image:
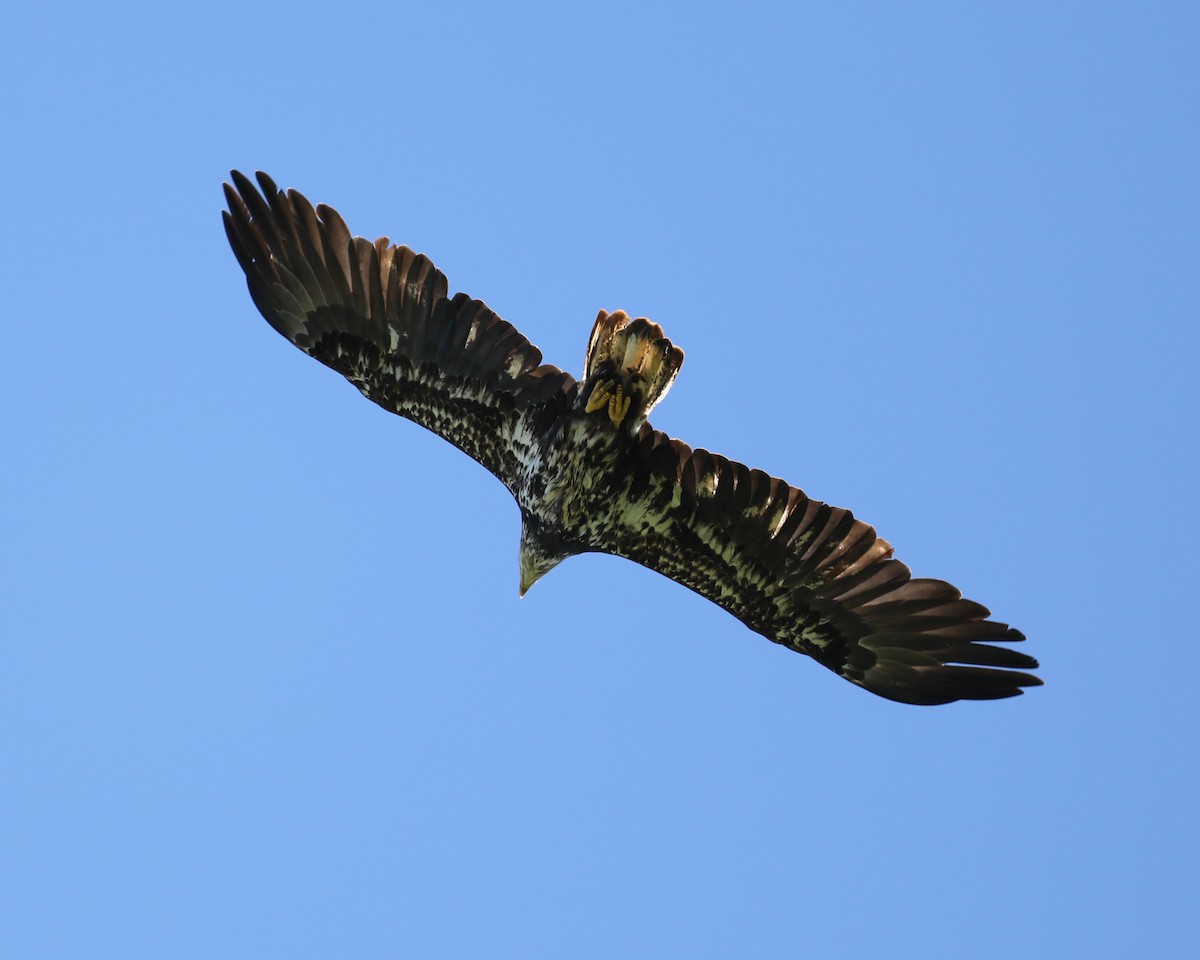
{"x":811,"y":577}
{"x":380,"y":315}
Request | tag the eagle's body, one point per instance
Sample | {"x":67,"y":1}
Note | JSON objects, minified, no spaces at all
{"x":590,"y":474}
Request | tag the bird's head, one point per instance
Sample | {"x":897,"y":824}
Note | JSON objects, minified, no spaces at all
{"x":542,"y":549}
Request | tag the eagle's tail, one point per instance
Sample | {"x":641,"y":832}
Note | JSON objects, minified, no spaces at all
{"x":636,"y":346}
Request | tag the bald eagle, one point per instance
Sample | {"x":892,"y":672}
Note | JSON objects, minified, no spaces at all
{"x":588,"y":471}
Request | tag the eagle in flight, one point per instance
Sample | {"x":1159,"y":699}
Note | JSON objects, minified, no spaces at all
{"x":589,"y":472}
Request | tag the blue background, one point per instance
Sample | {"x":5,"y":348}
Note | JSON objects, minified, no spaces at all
{"x":267,"y":688}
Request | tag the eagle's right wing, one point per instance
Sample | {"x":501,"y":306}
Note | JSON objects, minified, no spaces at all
{"x":379,"y":315}
{"x":810,"y":577}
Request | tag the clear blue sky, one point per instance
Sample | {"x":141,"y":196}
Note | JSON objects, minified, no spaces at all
{"x":267,"y":688}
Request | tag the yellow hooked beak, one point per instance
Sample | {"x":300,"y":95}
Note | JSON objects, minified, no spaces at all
{"x":528,"y":579}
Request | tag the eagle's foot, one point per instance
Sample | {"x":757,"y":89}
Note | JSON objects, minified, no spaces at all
{"x":610,"y":393}
{"x":600,"y":394}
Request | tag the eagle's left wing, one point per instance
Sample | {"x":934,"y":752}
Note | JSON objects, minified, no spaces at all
{"x":381,"y":316}
{"x":808,"y":576}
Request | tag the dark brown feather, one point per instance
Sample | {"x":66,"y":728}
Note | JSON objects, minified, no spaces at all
{"x":380,"y":315}
{"x":811,"y":577}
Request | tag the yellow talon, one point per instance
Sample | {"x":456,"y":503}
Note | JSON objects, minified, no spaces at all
{"x":618,"y":406}
{"x":611,"y":394}
{"x":599,"y":397}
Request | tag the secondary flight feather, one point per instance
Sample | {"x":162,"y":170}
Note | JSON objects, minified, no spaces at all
{"x":588,"y":471}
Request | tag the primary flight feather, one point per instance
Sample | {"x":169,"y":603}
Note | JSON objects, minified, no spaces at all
{"x":589,"y":472}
